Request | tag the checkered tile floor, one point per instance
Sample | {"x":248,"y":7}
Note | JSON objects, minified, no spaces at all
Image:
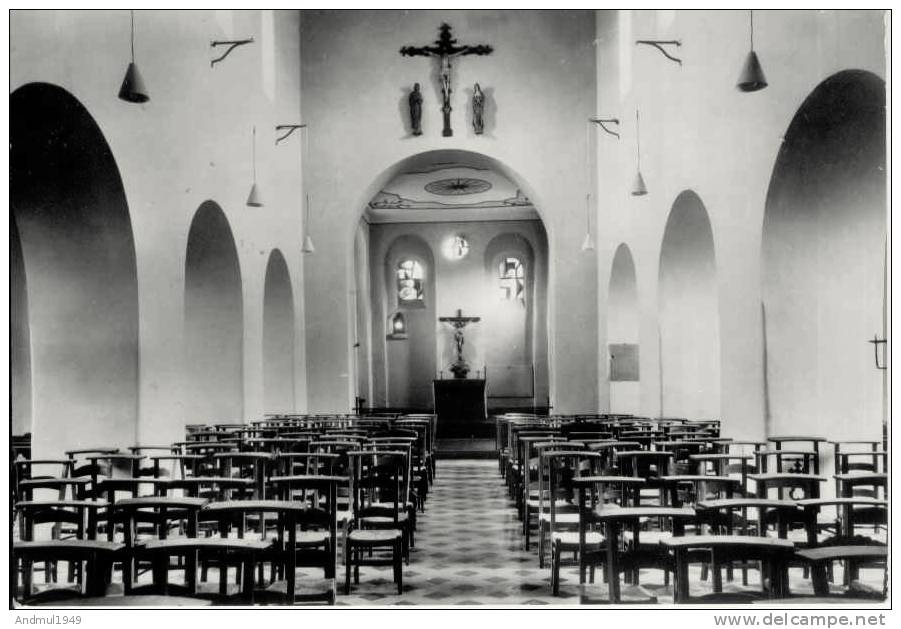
{"x":470,"y":552}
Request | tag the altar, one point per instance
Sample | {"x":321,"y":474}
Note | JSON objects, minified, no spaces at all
{"x":460,"y":404}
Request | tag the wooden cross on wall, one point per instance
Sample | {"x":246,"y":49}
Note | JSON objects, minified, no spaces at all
{"x":445,"y":49}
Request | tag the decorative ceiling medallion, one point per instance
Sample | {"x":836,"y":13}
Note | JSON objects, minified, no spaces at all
{"x":457,"y":186}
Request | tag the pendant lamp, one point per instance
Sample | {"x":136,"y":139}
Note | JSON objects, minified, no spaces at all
{"x":751,"y":78}
{"x":638,"y":187}
{"x":307,"y":240}
{"x":254,"y":199}
{"x":132,"y":89}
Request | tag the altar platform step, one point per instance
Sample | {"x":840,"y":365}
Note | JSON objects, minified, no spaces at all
{"x":466,"y":449}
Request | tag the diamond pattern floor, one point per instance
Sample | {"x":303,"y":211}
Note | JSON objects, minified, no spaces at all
{"x":470,"y":551}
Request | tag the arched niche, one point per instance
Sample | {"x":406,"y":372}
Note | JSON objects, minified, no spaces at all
{"x":410,"y":361}
{"x":76,"y":248}
{"x":622,"y":333}
{"x":19,"y":337}
{"x":214,"y":321}
{"x":689,"y":313}
{"x":512,"y":329}
{"x":278,"y":336}
{"x":823,"y":257}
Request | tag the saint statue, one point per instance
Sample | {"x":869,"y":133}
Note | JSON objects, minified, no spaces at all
{"x":478,"y":107}
{"x":416,"y":110}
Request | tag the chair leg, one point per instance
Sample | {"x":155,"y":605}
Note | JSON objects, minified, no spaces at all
{"x":555,"y":569}
{"x":398,"y":567}
{"x":347,"y":565}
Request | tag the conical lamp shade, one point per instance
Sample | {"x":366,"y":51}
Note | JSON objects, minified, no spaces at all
{"x":751,"y":78}
{"x":587,"y":244}
{"x":133,"y":89}
{"x":254,"y":199}
{"x":638,"y":187}
{"x":308,"y":245}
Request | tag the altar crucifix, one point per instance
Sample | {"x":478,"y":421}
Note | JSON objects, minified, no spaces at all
{"x":459,"y":366}
{"x":445,"y":49}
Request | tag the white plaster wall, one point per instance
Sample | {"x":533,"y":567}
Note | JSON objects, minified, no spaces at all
{"x":541,"y":81}
{"x":699,"y":132}
{"x":189,"y":143}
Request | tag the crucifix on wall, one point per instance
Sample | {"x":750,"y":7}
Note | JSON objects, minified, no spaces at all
{"x":445,"y":49}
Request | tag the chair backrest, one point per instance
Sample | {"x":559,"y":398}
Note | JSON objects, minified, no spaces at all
{"x":379,"y":483}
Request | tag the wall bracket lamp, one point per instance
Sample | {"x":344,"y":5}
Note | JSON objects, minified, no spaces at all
{"x":291,"y":128}
{"x":603,"y":122}
{"x":659,"y":45}
{"x":876,"y":343}
{"x":232,"y":44}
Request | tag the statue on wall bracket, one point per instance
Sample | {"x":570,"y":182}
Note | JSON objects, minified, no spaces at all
{"x":478,"y":108}
{"x":416,"y":110}
{"x":445,"y":49}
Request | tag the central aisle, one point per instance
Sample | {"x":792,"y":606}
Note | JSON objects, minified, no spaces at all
{"x":469,"y":550}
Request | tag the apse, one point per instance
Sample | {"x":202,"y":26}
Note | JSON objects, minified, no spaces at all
{"x":823,"y":257}
{"x":622,"y":333}
{"x":689,"y":314}
{"x":213,"y":389}
{"x":278,"y":336}
{"x":475,"y":243}
{"x":74,"y":280}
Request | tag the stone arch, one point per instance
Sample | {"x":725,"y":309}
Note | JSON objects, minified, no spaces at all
{"x":688,"y":302}
{"x":71,"y":216}
{"x":278,"y":336}
{"x":823,"y":257}
{"x":214,"y":321}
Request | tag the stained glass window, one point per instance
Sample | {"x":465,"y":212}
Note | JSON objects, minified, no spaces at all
{"x":512,"y":279}
{"x":409,"y":281}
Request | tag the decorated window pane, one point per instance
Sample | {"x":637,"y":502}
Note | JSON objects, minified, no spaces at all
{"x":409,"y":281}
{"x":512,"y":280}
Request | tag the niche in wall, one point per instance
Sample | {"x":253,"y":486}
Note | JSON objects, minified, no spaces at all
{"x":410,"y":287}
{"x":508,"y":320}
{"x":622,"y":333}
{"x":214,"y":321}
{"x":72,"y":240}
{"x":823,"y":257}
{"x":689,"y":313}
{"x":278,"y":336}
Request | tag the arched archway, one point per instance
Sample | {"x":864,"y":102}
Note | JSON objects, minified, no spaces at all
{"x":214,"y":321}
{"x":278,"y":336}
{"x":689,"y":313}
{"x":515,"y":205}
{"x":71,"y":217}
{"x":622,"y":333}
{"x":823,"y":258}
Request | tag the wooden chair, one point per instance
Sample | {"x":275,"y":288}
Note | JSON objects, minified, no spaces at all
{"x":561,"y":524}
{"x":377,"y":479}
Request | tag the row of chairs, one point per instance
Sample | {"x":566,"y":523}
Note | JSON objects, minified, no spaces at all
{"x":276,"y":493}
{"x":562,"y":472}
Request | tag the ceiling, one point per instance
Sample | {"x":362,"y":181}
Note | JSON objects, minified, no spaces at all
{"x":449,"y":191}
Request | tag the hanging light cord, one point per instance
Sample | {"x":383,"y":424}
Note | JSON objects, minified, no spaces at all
{"x":132,"y":36}
{"x":638,"y":139}
{"x":254,"y":151}
{"x":751,"y":11}
{"x":588,"y":213}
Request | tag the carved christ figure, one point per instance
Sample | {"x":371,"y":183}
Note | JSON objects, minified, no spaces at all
{"x":445,"y":49}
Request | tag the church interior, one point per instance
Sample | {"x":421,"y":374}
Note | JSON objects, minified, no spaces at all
{"x":448,"y":307}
